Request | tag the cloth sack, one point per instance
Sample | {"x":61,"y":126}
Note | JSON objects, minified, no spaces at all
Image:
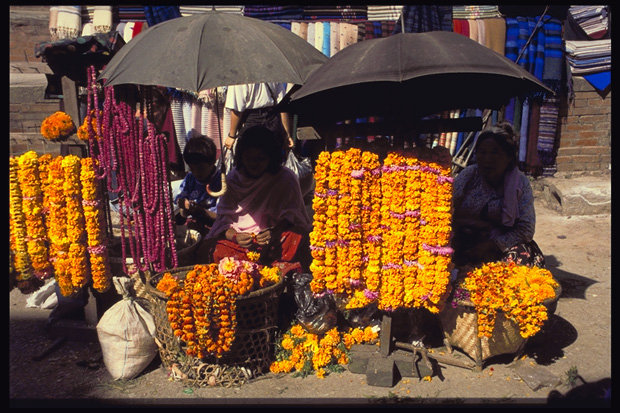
{"x":126,"y":334}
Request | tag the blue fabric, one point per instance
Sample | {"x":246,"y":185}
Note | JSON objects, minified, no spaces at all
{"x":599,"y":80}
{"x":554,"y":54}
{"x":196,"y":191}
{"x":523,"y":131}
{"x":419,"y":19}
{"x":158,"y":14}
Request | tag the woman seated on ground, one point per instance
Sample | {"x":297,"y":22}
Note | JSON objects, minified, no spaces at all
{"x":262,"y":209}
{"x":494,"y":217}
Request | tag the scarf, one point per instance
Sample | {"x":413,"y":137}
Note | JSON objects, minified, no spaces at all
{"x":418,"y":19}
{"x":69,"y":22}
{"x":512,"y":191}
{"x":158,"y":14}
{"x":53,"y":25}
{"x":553,"y":55}
{"x":102,"y":19}
{"x":252,"y":205}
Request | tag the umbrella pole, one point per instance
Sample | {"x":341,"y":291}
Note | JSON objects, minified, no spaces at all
{"x":222,"y":153}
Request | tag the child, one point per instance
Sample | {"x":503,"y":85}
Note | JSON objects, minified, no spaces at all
{"x":197,"y":207}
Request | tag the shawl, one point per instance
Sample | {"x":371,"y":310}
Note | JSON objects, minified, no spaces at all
{"x":418,"y":19}
{"x":69,"y":22}
{"x":158,"y":14}
{"x":102,"y":19}
{"x":549,"y":112}
{"x":325,"y":46}
{"x":523,"y":131}
{"x":495,"y":29}
{"x":554,"y":54}
{"x":532,"y":163}
{"x":253,"y":205}
{"x":53,"y":25}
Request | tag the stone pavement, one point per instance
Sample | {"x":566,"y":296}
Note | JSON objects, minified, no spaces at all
{"x":576,"y":194}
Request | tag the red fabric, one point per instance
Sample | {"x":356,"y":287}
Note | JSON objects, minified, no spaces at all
{"x":137,"y":28}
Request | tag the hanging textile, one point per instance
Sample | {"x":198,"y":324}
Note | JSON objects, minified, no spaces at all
{"x":53,"y":24}
{"x":69,"y":23}
{"x":523,"y":131}
{"x":495,"y":29}
{"x":418,"y":19}
{"x":334,"y":38}
{"x":158,"y":14}
{"x":102,"y":19}
{"x":380,"y":13}
{"x":532,"y":163}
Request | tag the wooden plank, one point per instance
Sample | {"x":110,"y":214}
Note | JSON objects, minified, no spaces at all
{"x":71,"y":101}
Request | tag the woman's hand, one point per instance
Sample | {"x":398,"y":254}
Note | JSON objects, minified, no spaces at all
{"x":243,"y":239}
{"x":264,"y":237}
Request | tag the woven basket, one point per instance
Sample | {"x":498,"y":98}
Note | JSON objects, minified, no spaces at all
{"x":251,"y":352}
{"x":460,"y":327}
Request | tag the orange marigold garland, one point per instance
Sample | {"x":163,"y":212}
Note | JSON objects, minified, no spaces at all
{"x":95,"y":224}
{"x":319,"y":233}
{"x":202,"y":308}
{"x":76,"y":234}
{"x":32,"y":207}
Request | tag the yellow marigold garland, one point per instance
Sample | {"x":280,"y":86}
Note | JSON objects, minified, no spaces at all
{"x":32,"y":206}
{"x":18,"y":233}
{"x":318,"y":235}
{"x":517,"y":290}
{"x":57,"y":126}
{"x":95,"y":224}
{"x":303,"y":352}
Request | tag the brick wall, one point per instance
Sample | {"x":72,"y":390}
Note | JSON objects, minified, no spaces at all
{"x":585,"y":131}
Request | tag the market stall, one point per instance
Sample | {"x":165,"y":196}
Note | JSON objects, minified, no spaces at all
{"x":381,"y":226}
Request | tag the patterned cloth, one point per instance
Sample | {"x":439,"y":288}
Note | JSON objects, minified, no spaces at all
{"x":158,"y":14}
{"x":420,"y":19}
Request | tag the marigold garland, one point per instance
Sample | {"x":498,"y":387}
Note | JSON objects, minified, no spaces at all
{"x":18,"y":233}
{"x":303,"y":352}
{"x":202,"y":308}
{"x":76,"y":233}
{"x":94,"y":224}
{"x":381,"y":232}
{"x":32,"y":206}
{"x":57,"y":126}
{"x":517,"y":290}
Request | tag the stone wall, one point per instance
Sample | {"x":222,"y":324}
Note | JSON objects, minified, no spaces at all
{"x":585,"y":131}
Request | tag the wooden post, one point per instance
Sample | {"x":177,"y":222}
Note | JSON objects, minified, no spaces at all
{"x":71,"y":100}
{"x":385,"y":338}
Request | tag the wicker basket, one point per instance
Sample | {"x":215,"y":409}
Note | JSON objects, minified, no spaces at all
{"x":252,"y":350}
{"x":460,"y":327}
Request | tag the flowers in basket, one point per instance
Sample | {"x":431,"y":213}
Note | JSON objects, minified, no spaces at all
{"x":58,"y":126}
{"x":303,"y":352}
{"x":202,"y":309}
{"x":516,"y":290}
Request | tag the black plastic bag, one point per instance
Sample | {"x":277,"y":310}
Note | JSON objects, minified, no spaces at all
{"x":316,"y":314}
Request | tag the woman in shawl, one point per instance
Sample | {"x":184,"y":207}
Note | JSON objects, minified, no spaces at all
{"x":262,"y":209}
{"x":494,"y":217}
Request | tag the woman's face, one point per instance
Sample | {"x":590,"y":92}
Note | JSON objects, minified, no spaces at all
{"x":492,"y":160}
{"x":255,"y":162}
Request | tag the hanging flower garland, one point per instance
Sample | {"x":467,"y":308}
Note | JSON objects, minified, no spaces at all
{"x":18,"y":233}
{"x":133,"y":152}
{"x":318,"y":235}
{"x":392,"y":219}
{"x":371,"y":230}
{"x":303,"y":352}
{"x":95,"y":225}
{"x":202,"y":309}
{"x":76,"y":234}
{"x":32,"y":207}
{"x":57,"y":225}
{"x":517,"y":290}
{"x":57,"y":127}
{"x":381,"y":232}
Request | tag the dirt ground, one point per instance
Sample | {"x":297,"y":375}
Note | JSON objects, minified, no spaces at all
{"x":576,"y":342}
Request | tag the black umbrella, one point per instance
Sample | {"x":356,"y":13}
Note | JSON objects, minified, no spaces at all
{"x":213,"y":49}
{"x":411,"y":74}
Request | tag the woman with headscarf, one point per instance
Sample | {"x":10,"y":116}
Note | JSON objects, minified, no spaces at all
{"x":494,"y":217}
